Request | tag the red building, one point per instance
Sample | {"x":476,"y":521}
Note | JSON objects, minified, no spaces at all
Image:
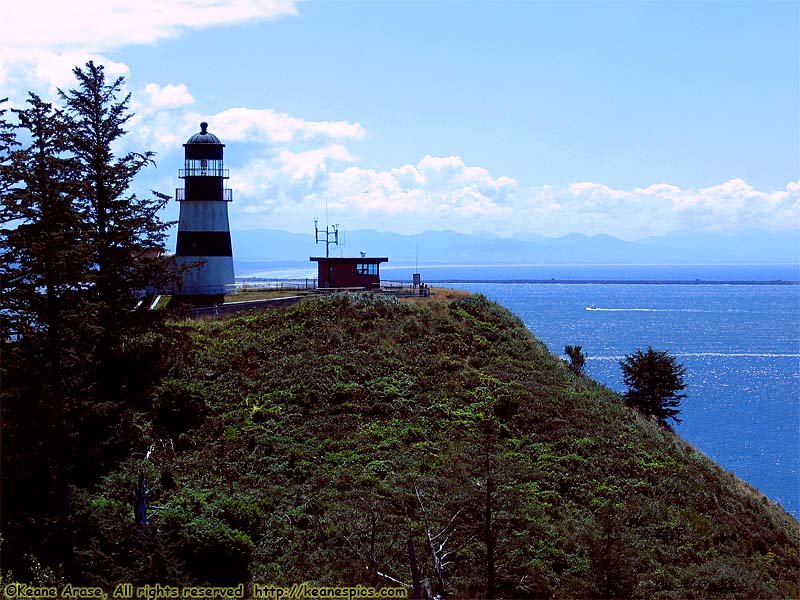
{"x":349,"y":272}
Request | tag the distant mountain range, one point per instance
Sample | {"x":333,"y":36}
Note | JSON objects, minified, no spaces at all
{"x":449,"y":247}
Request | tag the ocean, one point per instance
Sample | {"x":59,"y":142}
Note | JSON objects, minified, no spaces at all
{"x":736,"y":330}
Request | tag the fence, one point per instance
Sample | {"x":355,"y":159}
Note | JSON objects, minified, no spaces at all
{"x":309,"y":284}
{"x":249,"y":285}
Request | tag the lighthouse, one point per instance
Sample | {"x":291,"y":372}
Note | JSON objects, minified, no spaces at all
{"x":204,"y":255}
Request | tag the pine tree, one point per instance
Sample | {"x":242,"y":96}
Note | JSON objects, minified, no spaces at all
{"x":126,"y":235}
{"x":44,"y":255}
{"x":8,"y":142}
{"x":654,"y":379}
{"x":43,"y":260}
{"x":77,"y":252}
{"x":7,"y":139}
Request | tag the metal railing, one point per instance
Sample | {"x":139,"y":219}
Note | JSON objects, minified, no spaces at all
{"x":309,"y":283}
{"x":201,"y":172}
{"x":202,"y":290}
{"x":180,"y":195}
{"x":251,"y":285}
{"x":403,"y":288}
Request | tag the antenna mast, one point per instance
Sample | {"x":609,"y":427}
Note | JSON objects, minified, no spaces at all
{"x":329,"y":235}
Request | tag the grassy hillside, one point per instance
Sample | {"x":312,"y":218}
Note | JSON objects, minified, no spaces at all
{"x":313,"y":444}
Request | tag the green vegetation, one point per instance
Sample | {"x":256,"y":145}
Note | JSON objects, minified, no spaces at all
{"x":314,"y":443}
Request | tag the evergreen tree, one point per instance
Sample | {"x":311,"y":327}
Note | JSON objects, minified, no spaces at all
{"x":43,"y":259}
{"x":77,"y":252}
{"x":654,"y":379}
{"x":42,"y":265}
{"x":8,"y":141}
{"x":125,"y":238}
{"x":126,"y":235}
{"x":44,"y":256}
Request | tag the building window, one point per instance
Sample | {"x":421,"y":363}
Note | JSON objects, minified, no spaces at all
{"x":367,"y":268}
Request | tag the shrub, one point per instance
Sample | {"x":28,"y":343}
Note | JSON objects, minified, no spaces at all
{"x":178,"y":406}
{"x":577,"y":359}
{"x":215,"y":552}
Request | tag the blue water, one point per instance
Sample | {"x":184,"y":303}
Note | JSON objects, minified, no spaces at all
{"x":438,"y":273}
{"x":740,"y":345}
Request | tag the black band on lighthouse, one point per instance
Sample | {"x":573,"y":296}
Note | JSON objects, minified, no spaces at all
{"x":204,"y":188}
{"x":204,"y":243}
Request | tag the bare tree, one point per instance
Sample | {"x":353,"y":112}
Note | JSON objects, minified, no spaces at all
{"x":367,"y":540}
{"x":370,"y":542}
{"x":438,"y":544}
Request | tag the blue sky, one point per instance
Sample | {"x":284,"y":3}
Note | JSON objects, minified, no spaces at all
{"x":629,"y":119}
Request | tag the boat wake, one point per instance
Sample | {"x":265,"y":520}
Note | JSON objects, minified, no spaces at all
{"x":685,"y":310}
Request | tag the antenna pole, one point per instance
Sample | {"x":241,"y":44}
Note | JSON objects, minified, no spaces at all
{"x":329,"y":235}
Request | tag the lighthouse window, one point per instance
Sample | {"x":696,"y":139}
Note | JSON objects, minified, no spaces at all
{"x":367,"y":268}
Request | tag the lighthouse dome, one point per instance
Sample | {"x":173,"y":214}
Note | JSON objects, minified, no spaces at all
{"x":203,"y":137}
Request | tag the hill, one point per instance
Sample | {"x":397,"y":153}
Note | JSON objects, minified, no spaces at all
{"x":322,"y":442}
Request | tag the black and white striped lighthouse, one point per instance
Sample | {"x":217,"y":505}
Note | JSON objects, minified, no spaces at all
{"x":204,"y":253}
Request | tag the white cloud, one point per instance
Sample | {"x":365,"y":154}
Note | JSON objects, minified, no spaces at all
{"x":266,"y":125}
{"x":660,"y":208}
{"x":288,"y":189}
{"x":44,"y":71}
{"x":169,"y":96}
{"x":43,"y":39}
{"x":436,"y":192}
{"x":302,"y":165}
{"x":163,"y":122}
{"x":99,"y":25}
{"x":284,"y":180}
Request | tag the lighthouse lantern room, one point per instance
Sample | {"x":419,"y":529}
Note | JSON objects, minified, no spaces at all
{"x":204,"y":255}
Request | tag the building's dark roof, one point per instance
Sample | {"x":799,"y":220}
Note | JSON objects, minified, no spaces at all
{"x":349,"y":259}
{"x":203,"y":137}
